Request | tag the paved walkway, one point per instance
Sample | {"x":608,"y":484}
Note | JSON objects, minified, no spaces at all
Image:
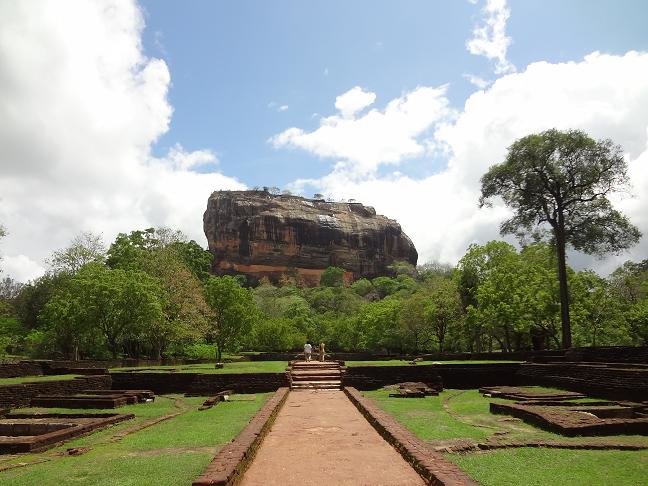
{"x":320,"y":438}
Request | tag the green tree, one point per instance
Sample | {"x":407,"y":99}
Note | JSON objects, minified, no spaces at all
{"x":332,"y":277}
{"x":84,"y":248}
{"x":473,"y":270}
{"x":598,"y":314}
{"x":557,"y":184}
{"x":183,"y":304}
{"x":233,"y":312}
{"x":195,"y":257}
{"x":117,"y":304}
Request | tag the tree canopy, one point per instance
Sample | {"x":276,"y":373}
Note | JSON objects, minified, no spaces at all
{"x":557,"y":184}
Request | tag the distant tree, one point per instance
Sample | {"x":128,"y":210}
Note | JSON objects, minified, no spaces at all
{"x":385,"y":286}
{"x":129,"y":251}
{"x":183,"y":305}
{"x":332,"y":277}
{"x":10,"y":289}
{"x":33,"y":297}
{"x":233,"y":312}
{"x":117,"y":304}
{"x":195,"y":258}
{"x":317,"y":195}
{"x":402,"y":268}
{"x":84,"y":248}
{"x":362,"y":287}
{"x":434,"y":269}
{"x":557,"y":184}
{"x":597,"y":313}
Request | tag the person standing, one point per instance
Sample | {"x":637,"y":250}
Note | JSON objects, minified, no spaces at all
{"x":322,"y":355}
{"x":308,"y":349}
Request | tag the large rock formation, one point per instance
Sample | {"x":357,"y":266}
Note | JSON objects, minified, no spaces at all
{"x":266,"y":235}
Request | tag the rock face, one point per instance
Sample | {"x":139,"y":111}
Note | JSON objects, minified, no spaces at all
{"x":264,"y":235}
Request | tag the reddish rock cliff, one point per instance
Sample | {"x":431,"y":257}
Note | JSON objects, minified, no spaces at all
{"x":261,"y":234}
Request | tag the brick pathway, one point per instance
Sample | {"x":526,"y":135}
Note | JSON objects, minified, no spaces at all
{"x":319,"y":437}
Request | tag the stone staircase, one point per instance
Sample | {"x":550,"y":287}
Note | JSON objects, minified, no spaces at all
{"x":309,"y":375}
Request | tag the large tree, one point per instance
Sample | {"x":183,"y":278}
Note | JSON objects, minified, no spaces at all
{"x":557,"y":184}
{"x":233,"y":312}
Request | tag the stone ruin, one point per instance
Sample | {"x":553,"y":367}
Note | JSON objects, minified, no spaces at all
{"x":563,"y":413}
{"x":31,"y":432}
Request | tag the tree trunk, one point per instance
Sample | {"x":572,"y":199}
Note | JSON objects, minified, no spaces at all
{"x":219,"y":352}
{"x":559,"y":232}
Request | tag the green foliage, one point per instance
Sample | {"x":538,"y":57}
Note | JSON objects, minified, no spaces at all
{"x":233,"y":312}
{"x":100,"y":303}
{"x":385,"y":286}
{"x":637,"y":318}
{"x":194,"y":257}
{"x":332,"y":277}
{"x":83,"y":249}
{"x":362,"y":287}
{"x":557,"y":184}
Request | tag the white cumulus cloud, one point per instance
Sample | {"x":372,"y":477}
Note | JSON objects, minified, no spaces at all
{"x":353,"y":101}
{"x":605,"y":95}
{"x":378,"y":137}
{"x":80,"y":107}
{"x":489,"y":36}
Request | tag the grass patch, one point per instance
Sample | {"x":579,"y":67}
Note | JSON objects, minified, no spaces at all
{"x":172,"y":452}
{"x":426,"y":417}
{"x":18,"y":380}
{"x":545,"y":467}
{"x":208,"y":368}
{"x":403,"y":362}
{"x":464,"y":414}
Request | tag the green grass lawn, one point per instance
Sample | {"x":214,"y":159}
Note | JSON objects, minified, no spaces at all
{"x":32,"y":379}
{"x":237,"y":367}
{"x":559,"y":467}
{"x":464,"y":414}
{"x":172,"y":452}
{"x":402,"y":362}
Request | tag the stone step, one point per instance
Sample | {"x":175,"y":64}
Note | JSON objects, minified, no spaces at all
{"x":317,"y":386}
{"x":316,"y":378}
{"x":318,"y":382}
{"x":319,"y":366}
{"x":314,"y":372}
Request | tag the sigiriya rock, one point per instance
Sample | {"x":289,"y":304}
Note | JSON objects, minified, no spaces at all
{"x":260,"y":234}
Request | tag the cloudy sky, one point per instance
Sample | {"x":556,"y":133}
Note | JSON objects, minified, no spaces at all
{"x":119,"y":115}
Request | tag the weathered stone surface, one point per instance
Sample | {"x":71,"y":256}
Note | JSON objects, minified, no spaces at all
{"x":261,"y":234}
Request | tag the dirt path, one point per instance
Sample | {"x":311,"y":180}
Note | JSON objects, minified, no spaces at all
{"x":319,"y":437}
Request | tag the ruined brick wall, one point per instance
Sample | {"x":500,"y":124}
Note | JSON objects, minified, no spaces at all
{"x":21,"y":368}
{"x":612,"y":382}
{"x":448,"y":376}
{"x":12,"y":396}
{"x":199,"y":384}
{"x":477,"y":375}
{"x":609,"y":354}
{"x":374,"y":377}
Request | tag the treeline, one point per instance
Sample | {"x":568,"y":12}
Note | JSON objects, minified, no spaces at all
{"x":150,"y":294}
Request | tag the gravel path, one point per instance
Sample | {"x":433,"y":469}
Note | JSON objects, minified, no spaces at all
{"x":319,"y":437}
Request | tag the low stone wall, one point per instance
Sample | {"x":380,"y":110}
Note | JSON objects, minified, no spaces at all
{"x":12,"y":396}
{"x":199,"y":384}
{"x":232,"y":460}
{"x":374,"y":377}
{"x":432,"y":466}
{"x":438,"y":376}
{"x":614,"y":382}
{"x":21,"y":368}
{"x":609,"y":354}
{"x":465,"y":376}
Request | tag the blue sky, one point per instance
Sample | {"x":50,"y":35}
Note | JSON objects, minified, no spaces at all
{"x":118,"y":115}
{"x":230,"y":60}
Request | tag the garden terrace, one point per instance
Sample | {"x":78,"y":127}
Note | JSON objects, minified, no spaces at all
{"x":25,"y":432}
